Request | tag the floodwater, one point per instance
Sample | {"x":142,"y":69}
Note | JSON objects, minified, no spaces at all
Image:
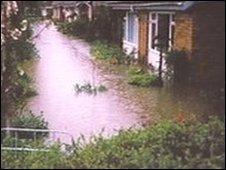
{"x":64,"y":62}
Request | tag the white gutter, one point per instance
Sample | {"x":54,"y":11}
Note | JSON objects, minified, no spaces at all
{"x":147,"y":4}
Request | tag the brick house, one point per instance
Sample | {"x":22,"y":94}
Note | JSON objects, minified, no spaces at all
{"x":70,"y":10}
{"x":194,"y":26}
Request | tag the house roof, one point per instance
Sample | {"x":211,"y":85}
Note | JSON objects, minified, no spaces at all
{"x":67,"y":3}
{"x":152,"y":5}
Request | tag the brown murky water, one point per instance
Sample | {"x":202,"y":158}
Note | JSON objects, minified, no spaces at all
{"x":66,"y":61}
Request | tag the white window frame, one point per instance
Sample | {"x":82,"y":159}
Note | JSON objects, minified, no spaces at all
{"x":155,"y":21}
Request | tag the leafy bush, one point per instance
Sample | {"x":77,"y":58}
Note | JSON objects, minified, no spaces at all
{"x":138,"y":77}
{"x":29,"y":120}
{"x":104,"y":51}
{"x":23,"y":88}
{"x":66,"y":27}
{"x":164,"y":145}
{"x":135,"y":71}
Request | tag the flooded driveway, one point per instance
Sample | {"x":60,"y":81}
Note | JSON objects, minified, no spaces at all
{"x":65,"y":62}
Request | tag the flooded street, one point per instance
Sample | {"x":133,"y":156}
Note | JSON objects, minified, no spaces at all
{"x":64,"y":62}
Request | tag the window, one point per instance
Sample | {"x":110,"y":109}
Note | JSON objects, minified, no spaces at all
{"x":172,"y":34}
{"x":154,"y":30}
{"x":153,"y":16}
{"x":153,"y":33}
{"x":172,"y":30}
{"x":132,"y":28}
{"x":162,"y":26}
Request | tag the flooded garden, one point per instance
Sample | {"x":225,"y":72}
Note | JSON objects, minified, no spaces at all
{"x":74,"y":97}
{"x":65,"y":61}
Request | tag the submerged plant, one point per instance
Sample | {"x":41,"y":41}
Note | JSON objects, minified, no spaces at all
{"x":88,"y":88}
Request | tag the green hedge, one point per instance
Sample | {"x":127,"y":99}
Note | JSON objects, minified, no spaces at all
{"x":164,"y":145}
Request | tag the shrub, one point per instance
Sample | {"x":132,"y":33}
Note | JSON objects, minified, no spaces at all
{"x":138,"y":77}
{"x":135,"y":71}
{"x":104,"y":51}
{"x":23,"y":88}
{"x":143,"y":80}
{"x":29,"y":120}
{"x":65,"y":27}
{"x":164,"y":145}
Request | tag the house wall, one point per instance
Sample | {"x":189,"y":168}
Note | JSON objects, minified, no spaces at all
{"x":143,"y":36}
{"x":201,"y":32}
{"x":184,"y":32}
{"x":209,"y":42}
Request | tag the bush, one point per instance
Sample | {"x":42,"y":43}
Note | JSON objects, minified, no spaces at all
{"x":23,"y":88}
{"x":164,"y":145}
{"x":65,"y":27}
{"x":104,"y":51}
{"x":29,"y":120}
{"x":138,"y":77}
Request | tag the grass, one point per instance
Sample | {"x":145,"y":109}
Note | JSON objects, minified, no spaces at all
{"x":164,"y":145}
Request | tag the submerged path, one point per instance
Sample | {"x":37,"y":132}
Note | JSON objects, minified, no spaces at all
{"x":64,"y":62}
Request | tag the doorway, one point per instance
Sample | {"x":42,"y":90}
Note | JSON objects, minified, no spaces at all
{"x":161,"y":26}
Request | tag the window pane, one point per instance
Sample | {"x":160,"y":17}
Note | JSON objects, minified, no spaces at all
{"x":153,"y":33}
{"x":124,"y":29}
{"x":130,"y":27}
{"x":172,"y":34}
{"x":173,"y":17}
{"x":153,"y":16}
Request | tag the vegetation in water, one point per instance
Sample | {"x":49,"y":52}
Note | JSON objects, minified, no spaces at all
{"x":137,"y":76}
{"x":164,"y":145}
{"x":88,"y":88}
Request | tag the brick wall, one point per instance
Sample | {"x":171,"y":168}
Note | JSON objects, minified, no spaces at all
{"x":201,"y":32}
{"x":184,"y":32}
{"x":209,"y":38}
{"x":143,"y":36}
